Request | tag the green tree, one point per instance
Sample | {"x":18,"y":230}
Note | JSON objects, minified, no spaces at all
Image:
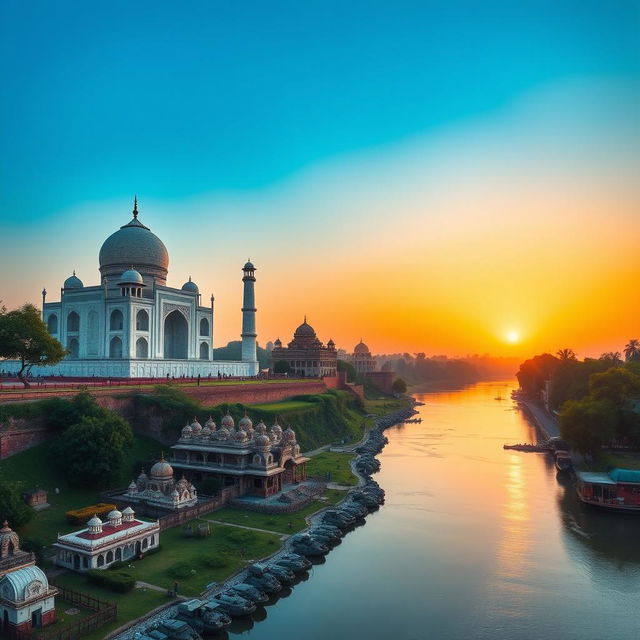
{"x":352,"y":375}
{"x":281,"y":366}
{"x":399,"y":386}
{"x":614,"y":358}
{"x":13,"y":508}
{"x":632,"y":350}
{"x":24,"y":337}
{"x":92,"y":451}
{"x":617,"y":385}
{"x":588,"y":424}
{"x":566,"y":354}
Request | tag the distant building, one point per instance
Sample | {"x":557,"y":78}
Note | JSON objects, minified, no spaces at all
{"x":101,"y":544}
{"x":133,"y":325}
{"x":306,"y":355}
{"x":26,"y":600}
{"x":160,"y":490}
{"x":361,"y":359}
{"x":36,"y":498}
{"x":257,"y":461}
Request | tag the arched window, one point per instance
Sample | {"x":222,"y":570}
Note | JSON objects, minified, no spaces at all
{"x":204,"y":327}
{"x":100,"y":560}
{"x":204,"y":351}
{"x":116,"y":321}
{"x":109,"y":556}
{"x":142,"y":321}
{"x":73,"y":347}
{"x":115,"y":348}
{"x":176,"y":336}
{"x":52,"y":323}
{"x":73,"y":322}
{"x":142,"y":348}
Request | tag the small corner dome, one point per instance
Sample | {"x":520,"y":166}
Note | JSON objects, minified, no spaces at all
{"x":162,"y":470}
{"x":263,"y":440}
{"x":187,"y":430}
{"x":94,"y":522}
{"x":196,"y":427}
{"x":227,"y":421}
{"x":127,"y":511}
{"x":131,"y":276}
{"x":73,"y":282}
{"x":114,"y":515}
{"x":190,"y":286}
{"x":248,"y":265}
{"x":245,"y":423}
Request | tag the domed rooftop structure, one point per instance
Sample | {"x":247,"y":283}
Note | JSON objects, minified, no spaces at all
{"x":73,"y":282}
{"x":131,"y":276}
{"x":187,"y":431}
{"x":162,"y":470}
{"x":134,"y":243}
{"x":305,"y":330}
{"x":190,"y":286}
{"x":17,"y":585}
{"x":227,"y":421}
{"x":210,"y":424}
{"x":245,"y":423}
{"x":262,"y":440}
{"x":196,"y":427}
{"x":9,"y":541}
{"x":248,"y":266}
{"x":361,"y":348}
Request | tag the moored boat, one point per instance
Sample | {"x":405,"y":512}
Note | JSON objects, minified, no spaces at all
{"x":563,"y":460}
{"x":618,"y":489}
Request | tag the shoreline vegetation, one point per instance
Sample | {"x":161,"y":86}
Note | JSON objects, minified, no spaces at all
{"x":593,"y":404}
{"x":237,"y":537}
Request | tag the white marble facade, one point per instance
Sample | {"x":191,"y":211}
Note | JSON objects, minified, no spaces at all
{"x":133,"y":325}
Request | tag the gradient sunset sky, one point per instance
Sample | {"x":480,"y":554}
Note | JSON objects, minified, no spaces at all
{"x":431,"y":176}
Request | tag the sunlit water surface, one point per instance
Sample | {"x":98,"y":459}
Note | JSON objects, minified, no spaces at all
{"x":473,"y":542}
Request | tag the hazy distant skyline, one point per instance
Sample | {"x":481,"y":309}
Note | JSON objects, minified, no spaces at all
{"x":431,"y":176}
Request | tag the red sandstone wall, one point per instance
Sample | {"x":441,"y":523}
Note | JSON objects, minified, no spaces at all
{"x":18,"y":435}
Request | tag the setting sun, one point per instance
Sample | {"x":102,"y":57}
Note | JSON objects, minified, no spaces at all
{"x":513,"y":337}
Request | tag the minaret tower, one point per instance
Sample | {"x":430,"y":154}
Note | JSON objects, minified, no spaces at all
{"x":249,"y":334}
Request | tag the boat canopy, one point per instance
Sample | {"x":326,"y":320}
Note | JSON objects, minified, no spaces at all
{"x":593,"y":477}
{"x":625,"y":475}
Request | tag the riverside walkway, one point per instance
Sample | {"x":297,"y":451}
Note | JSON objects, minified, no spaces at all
{"x":546,"y":423}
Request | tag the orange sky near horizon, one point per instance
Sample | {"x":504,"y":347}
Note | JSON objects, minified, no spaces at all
{"x":441,"y":244}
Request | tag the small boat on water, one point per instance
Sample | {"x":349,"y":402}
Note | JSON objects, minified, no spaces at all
{"x":618,"y":489}
{"x":563,"y":460}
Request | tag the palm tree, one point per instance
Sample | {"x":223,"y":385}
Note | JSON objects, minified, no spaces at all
{"x":632,"y":350}
{"x":566,"y":354}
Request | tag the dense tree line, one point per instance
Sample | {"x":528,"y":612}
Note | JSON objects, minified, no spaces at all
{"x":598,"y":399}
{"x":419,"y":369}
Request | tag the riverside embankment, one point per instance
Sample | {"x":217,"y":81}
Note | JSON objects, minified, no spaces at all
{"x":373,"y":442}
{"x":547,"y":423}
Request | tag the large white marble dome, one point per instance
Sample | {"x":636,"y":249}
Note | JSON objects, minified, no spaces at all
{"x":134,"y":244}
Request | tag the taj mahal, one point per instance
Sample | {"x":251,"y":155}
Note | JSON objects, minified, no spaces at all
{"x":132,"y":325}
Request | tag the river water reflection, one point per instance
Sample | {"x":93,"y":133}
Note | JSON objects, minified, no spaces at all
{"x":473,"y":542}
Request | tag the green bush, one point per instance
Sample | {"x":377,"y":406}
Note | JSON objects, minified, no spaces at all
{"x":118,"y":581}
{"x":219,"y":561}
{"x":179,"y":571}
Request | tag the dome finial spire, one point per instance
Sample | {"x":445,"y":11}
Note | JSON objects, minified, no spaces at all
{"x":135,"y":206}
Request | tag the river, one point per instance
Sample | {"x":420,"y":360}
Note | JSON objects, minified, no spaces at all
{"x":473,"y":542}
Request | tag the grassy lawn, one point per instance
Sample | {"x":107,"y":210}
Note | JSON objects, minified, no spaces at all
{"x":280,"y":407}
{"x":335,"y":467}
{"x":275,"y":522}
{"x":64,"y":620}
{"x":194,"y":562}
{"x":34,"y":468}
{"x":131,"y":605}
{"x":384,"y":405}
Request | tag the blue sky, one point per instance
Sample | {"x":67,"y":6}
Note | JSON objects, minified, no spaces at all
{"x":271,"y":116}
{"x":175,"y":99}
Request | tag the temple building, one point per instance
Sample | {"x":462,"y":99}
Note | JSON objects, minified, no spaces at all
{"x":361,"y":359}
{"x":132,"y":325}
{"x":26,"y":600}
{"x":257,"y":461}
{"x":160,"y":490}
{"x":101,"y":544}
{"x":306,"y":355}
